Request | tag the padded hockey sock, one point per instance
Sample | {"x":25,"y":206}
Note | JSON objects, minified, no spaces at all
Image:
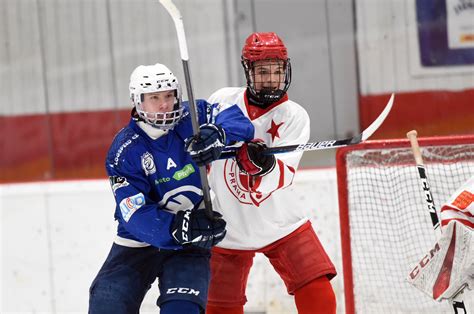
{"x":210,"y":309}
{"x":316,"y":297}
{"x":179,"y":307}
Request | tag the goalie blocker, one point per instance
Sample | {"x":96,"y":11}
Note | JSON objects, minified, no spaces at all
{"x":448,"y":267}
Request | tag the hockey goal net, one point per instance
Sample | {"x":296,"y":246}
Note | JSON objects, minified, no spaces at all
{"x":385,"y":224}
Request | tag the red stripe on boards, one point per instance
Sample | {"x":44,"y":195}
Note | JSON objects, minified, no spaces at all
{"x":57,"y":146}
{"x":431,"y":113}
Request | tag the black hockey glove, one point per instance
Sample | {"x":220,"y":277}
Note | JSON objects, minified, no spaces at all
{"x":252,"y":161}
{"x":193,"y":227}
{"x":207,"y":146}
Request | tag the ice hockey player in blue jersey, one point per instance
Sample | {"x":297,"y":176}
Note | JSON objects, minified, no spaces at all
{"x":162,"y":230}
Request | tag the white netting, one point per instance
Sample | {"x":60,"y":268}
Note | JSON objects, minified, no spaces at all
{"x":390,"y":227}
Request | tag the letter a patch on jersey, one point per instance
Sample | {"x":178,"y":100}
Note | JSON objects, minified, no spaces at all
{"x":171,"y":164}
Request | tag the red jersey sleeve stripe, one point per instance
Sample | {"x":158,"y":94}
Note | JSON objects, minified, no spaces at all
{"x":446,"y":209}
{"x":463,"y":221}
{"x":281,"y":167}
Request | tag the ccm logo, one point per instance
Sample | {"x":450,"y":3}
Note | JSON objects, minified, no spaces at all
{"x":182,"y":291}
{"x":185,"y":226}
{"x":429,"y":197}
{"x":424,"y":261}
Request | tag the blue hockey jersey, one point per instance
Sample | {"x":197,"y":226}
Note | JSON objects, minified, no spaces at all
{"x":152,"y":179}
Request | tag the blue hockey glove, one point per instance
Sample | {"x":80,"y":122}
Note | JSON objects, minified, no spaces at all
{"x":207,"y":146}
{"x":193,"y":227}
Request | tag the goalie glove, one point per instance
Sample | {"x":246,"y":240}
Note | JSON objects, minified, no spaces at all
{"x":448,"y":268}
{"x":252,"y":161}
{"x":193,"y":227}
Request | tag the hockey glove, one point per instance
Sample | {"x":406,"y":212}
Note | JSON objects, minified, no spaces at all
{"x":448,"y":268}
{"x":207,"y":146}
{"x":252,"y":161}
{"x":193,"y":227}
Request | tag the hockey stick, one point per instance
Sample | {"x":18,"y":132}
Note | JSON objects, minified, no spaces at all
{"x":328,"y":144}
{"x":415,"y":147}
{"x":183,"y":49}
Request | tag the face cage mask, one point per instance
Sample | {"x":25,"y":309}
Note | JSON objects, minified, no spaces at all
{"x":267,"y":96}
{"x":162,"y":120}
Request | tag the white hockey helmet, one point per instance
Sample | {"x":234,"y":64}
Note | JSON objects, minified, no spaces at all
{"x":150,"y":79}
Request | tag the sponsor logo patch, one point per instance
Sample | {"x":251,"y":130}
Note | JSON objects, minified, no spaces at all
{"x":117,"y":182}
{"x":148,"y":164}
{"x":184,"y":173}
{"x":464,"y":200}
{"x":122,"y":147}
{"x":130,"y":205}
{"x":162,"y":180}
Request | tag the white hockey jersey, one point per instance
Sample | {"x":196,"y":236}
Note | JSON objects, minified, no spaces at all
{"x":460,"y":206}
{"x":260,"y":210}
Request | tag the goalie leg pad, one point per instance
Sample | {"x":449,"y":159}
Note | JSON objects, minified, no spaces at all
{"x":449,"y":267}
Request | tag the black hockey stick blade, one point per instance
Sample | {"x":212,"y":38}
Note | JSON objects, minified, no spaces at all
{"x":328,"y":144}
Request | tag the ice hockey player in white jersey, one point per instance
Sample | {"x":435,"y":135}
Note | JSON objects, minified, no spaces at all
{"x":251,"y":191}
{"x":448,"y":268}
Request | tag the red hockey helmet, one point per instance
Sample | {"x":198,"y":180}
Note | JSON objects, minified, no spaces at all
{"x":266,"y":46}
{"x":261,"y":46}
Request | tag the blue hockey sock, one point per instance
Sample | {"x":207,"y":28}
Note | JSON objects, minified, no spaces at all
{"x":179,"y":307}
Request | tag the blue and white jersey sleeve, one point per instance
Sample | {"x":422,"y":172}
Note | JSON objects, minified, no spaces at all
{"x":236,"y":125}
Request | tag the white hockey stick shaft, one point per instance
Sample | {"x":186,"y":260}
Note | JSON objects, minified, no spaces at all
{"x":183,"y":49}
{"x":435,"y":218}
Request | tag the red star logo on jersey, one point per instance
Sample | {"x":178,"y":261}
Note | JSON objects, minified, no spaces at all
{"x":273,"y":130}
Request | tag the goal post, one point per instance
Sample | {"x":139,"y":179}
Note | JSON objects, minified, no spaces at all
{"x":385,"y":228}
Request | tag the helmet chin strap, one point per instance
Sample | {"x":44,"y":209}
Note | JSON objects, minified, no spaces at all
{"x":260,"y":101}
{"x":135,"y":116}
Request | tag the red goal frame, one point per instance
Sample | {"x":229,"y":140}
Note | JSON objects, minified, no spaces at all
{"x":343,"y":196}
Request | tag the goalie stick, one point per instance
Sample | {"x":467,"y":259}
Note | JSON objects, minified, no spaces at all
{"x":183,"y":49}
{"x":456,"y":302}
{"x":328,"y":144}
